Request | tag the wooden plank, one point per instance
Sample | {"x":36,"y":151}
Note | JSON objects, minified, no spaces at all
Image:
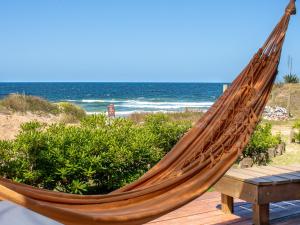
{"x":289,"y":221}
{"x":272,"y":180}
{"x":260,"y":214}
{"x":196,"y":207}
{"x":246,"y":222}
{"x":253,"y":174}
{"x":277,"y":212}
{"x":191,"y":219}
{"x":227,"y":204}
{"x":278,"y":193}
{"x":281,"y":178}
{"x":284,"y":213}
{"x":191,"y":209}
{"x":236,"y":174}
{"x":293,"y":176}
{"x":204,"y":211}
{"x":208,"y":195}
{"x":226,"y":219}
{"x":237,"y":189}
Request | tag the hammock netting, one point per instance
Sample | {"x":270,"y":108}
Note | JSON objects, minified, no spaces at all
{"x":194,"y":164}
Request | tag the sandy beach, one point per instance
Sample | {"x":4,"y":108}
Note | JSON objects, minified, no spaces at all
{"x":10,"y":123}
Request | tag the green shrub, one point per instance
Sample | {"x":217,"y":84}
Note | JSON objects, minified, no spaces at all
{"x":297,"y":127}
{"x":97,"y":156}
{"x":28,"y":103}
{"x":291,"y":78}
{"x":261,"y":140}
{"x":165,"y":129}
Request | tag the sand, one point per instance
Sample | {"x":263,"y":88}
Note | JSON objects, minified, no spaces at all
{"x":10,"y":123}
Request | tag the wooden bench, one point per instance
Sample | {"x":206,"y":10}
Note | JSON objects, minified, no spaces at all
{"x":259,"y":186}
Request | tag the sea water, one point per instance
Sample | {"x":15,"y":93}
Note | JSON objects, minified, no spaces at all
{"x":128,"y":98}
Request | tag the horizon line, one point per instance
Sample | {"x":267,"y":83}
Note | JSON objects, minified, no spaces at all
{"x":187,"y":82}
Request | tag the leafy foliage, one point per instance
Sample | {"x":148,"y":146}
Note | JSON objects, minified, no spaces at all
{"x":297,"y":127}
{"x":97,"y":156}
{"x":291,"y":78}
{"x":100,"y":154}
{"x":297,"y":124}
{"x":261,"y":140}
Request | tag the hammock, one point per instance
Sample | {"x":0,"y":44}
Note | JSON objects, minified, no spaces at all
{"x":195,"y":163}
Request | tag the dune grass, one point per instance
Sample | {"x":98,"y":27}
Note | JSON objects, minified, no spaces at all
{"x":192,"y":116}
{"x":16,"y":103}
{"x":280,"y":97}
{"x":70,"y":113}
{"x":28,"y":103}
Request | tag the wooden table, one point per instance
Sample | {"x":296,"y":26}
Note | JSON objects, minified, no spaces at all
{"x":259,"y":186}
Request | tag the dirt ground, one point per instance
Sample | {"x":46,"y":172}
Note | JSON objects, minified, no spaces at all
{"x":292,"y":154}
{"x":285,"y":129}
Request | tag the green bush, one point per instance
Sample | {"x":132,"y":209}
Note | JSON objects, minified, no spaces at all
{"x":28,"y":103}
{"x":261,"y":140}
{"x":97,"y":156}
{"x":297,"y":127}
{"x":165,"y":129}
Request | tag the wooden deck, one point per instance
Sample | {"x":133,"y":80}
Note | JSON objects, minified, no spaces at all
{"x":206,"y":210}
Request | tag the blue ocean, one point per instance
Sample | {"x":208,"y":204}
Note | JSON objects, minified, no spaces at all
{"x":127,"y":97}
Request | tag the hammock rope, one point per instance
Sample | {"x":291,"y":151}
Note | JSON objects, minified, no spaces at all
{"x":195,"y":163}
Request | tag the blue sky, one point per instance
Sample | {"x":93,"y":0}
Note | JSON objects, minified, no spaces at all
{"x":135,"y":40}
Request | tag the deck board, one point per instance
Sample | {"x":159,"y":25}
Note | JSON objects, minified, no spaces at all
{"x":267,"y":175}
{"x":205,"y":210}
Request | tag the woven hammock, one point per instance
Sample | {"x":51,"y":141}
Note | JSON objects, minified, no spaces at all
{"x":195,"y":163}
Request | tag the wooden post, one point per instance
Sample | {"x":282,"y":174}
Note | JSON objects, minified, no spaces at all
{"x":260,"y":214}
{"x":225,"y":86}
{"x":227,"y":204}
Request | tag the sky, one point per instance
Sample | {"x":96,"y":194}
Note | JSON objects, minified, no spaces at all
{"x":137,"y":40}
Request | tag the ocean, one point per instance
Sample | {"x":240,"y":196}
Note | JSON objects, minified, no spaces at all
{"x":127,"y":97}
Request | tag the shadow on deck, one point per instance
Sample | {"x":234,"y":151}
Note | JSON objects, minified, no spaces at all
{"x":207,"y":210}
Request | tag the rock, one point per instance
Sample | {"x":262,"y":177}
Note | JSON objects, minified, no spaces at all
{"x":271,"y":153}
{"x":263,"y":158}
{"x":280,"y":149}
{"x":246,"y":163}
{"x":275,"y":113}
